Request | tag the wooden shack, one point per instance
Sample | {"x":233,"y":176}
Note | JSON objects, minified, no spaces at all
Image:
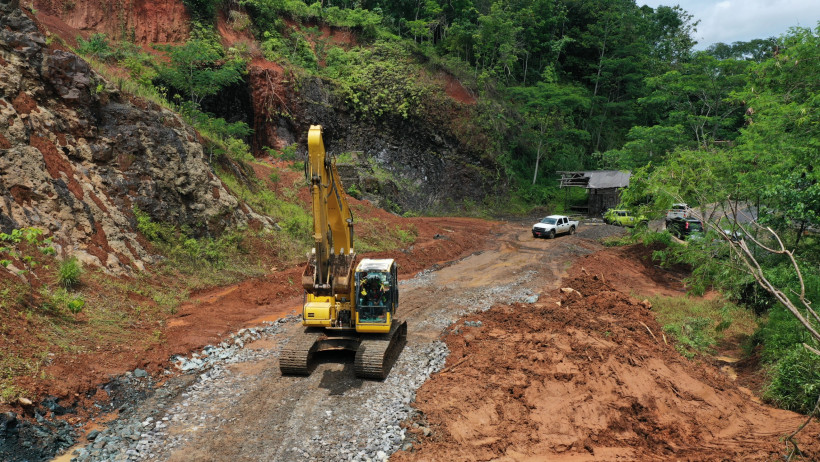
{"x":604,"y":187}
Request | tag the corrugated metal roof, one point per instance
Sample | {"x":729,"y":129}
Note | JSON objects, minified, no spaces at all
{"x":596,"y":179}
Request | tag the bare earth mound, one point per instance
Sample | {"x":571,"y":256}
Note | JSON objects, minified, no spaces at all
{"x":580,"y":376}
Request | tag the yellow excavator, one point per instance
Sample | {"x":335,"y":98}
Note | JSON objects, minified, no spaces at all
{"x":345,"y":308}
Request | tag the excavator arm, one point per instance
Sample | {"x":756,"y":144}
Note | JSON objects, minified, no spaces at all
{"x":330,"y":264}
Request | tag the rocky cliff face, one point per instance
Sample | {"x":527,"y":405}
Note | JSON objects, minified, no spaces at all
{"x":412,"y":163}
{"x":76,"y":156}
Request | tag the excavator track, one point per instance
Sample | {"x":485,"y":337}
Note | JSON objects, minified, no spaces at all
{"x":296,"y":355}
{"x":376,"y":355}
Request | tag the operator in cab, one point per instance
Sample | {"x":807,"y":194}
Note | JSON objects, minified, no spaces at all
{"x":374,"y":295}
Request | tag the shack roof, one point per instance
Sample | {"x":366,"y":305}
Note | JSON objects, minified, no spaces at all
{"x":596,"y":179}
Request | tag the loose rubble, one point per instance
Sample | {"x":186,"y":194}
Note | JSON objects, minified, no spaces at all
{"x":137,"y":435}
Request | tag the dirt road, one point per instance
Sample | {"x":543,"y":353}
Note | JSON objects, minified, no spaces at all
{"x":331,"y":415}
{"x":246,"y":411}
{"x":525,"y":381}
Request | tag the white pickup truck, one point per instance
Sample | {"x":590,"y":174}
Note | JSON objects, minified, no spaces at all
{"x":677,"y":212}
{"x":554,"y":224}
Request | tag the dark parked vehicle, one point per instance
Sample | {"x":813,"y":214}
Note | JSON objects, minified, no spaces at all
{"x":685,"y":227}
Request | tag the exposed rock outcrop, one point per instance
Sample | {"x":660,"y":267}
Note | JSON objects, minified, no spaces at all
{"x":76,"y":156}
{"x":413,"y":163}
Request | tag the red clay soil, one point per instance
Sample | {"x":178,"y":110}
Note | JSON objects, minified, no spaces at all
{"x":632,"y":270}
{"x":586,"y":375}
{"x":231,"y":37}
{"x":455,"y":89}
{"x":144,"y":21}
{"x":341,"y":37}
{"x":270,"y":94}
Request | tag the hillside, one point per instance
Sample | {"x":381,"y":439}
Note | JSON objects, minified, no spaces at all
{"x":155,"y":218}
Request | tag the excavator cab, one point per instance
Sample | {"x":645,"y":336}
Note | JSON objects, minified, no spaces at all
{"x":377,"y":294}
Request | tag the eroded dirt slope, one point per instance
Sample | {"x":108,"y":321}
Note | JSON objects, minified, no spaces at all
{"x":586,"y":374}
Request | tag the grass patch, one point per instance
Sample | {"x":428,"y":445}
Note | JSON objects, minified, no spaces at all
{"x":699,"y":325}
{"x":293,"y":219}
{"x":372,"y":235}
{"x":68,"y":274}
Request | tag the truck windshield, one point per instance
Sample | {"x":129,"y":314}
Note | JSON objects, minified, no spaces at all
{"x":548,"y":220}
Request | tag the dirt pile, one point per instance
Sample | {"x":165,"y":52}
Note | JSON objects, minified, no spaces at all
{"x":587,"y":375}
{"x":632,"y":270}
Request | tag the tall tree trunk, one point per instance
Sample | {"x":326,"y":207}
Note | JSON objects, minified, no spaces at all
{"x":799,"y":234}
{"x":537,"y":160}
{"x":600,"y":69}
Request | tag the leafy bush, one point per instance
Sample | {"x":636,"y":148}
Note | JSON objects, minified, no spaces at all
{"x":75,"y":306}
{"x":68,"y":274}
{"x":289,"y":152}
{"x":11,"y":247}
{"x":97,"y":47}
{"x":779,"y":334}
{"x":795,"y":381}
{"x":202,"y":10}
{"x":239,"y":21}
{"x":267,"y":14}
{"x":354,"y":191}
{"x":153,"y":231}
{"x":198,"y":68}
{"x":61,"y":299}
{"x":294,"y":48}
{"x":381,"y":80}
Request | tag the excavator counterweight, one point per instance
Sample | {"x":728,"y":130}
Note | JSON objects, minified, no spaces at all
{"x":345,"y":308}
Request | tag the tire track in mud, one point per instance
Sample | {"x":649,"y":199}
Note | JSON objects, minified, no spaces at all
{"x":247,"y":411}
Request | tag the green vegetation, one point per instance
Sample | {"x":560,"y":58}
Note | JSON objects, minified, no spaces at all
{"x":699,"y":325}
{"x":795,"y":381}
{"x":97,"y":47}
{"x":561,"y":85}
{"x":59,"y":300}
{"x":188,"y":254}
{"x":24,"y":247}
{"x":202,"y":10}
{"x":196,"y":68}
{"x":294,"y":221}
{"x":749,"y":144}
{"x":374,"y":236}
{"x":68,"y":274}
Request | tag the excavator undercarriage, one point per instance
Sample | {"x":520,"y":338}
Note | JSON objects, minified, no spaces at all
{"x":375,"y":353}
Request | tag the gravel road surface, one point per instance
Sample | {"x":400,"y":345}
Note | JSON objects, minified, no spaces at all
{"x":231,"y":403}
